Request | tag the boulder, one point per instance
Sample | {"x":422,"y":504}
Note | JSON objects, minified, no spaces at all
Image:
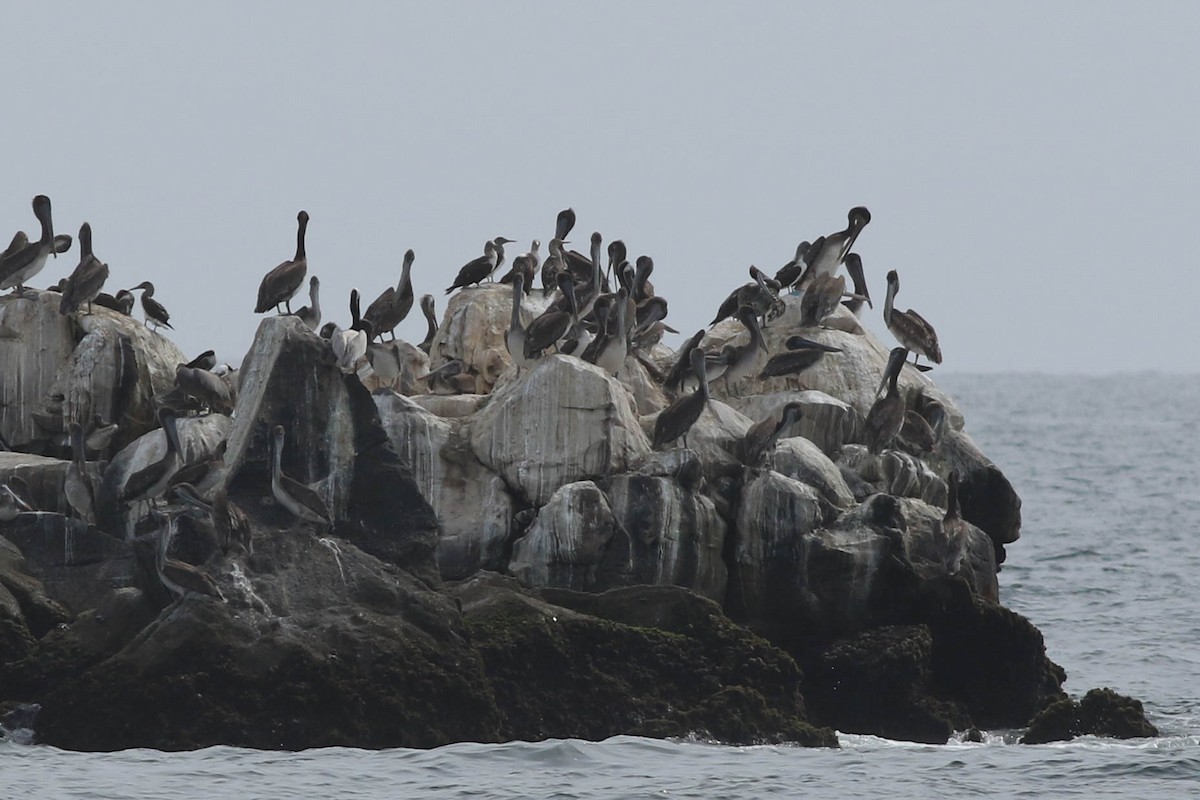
{"x":451,"y":406}
{"x":716,"y":437}
{"x":825,"y":421}
{"x":561,"y":421}
{"x":1102,"y":712}
{"x":895,"y":472}
{"x":23,"y":598}
{"x":43,"y":478}
{"x":799,"y":458}
{"x":985,"y":496}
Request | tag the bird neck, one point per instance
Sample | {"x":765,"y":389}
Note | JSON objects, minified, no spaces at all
{"x":887,"y":302}
{"x":300,"y":239}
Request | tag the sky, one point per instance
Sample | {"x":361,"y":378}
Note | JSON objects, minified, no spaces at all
{"x":1027,"y":165}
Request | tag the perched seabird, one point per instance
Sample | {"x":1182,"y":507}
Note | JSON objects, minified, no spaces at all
{"x":385,"y":362}
{"x":821,"y":299}
{"x":151,"y":481}
{"x":886,"y":416}
{"x":758,"y":294}
{"x":228,"y":521}
{"x":281,"y":283}
{"x":514,"y":337}
{"x":297,"y":498}
{"x":545,"y":331}
{"x":677,"y":419}
{"x":617,"y":254}
{"x":87,"y":279}
{"x":206,"y":360}
{"x":642,"y":288}
{"x":790,"y":272}
{"x":682,"y":367}
{"x":204,"y":388}
{"x":24,"y":259}
{"x":451,"y":376}
{"x":742,"y":358}
{"x":564,"y":223}
{"x":100,"y":436}
{"x":611,"y":353}
{"x":527,"y":264}
{"x":954,"y":529}
{"x":11,"y":504}
{"x":77,"y":486}
{"x":431,"y":323}
{"x":917,"y":434}
{"x":154,"y":310}
{"x":350,"y":345}
{"x":555,"y":265}
{"x":310,"y":314}
{"x":836,"y":245}
{"x":392,"y":306}
{"x":861,"y":295}
{"x":122,"y":302}
{"x":179,"y":577}
{"x":475,"y":270}
{"x":499,"y":241}
{"x":762,"y":435}
{"x":933,"y":412}
{"x":909,"y":327}
{"x":801,"y":354}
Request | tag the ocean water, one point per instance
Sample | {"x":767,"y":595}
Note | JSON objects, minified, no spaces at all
{"x":1107,"y":567}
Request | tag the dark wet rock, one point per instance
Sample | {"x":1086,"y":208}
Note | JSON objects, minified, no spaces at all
{"x":25,"y":600}
{"x":986,"y":497}
{"x":1102,"y":712}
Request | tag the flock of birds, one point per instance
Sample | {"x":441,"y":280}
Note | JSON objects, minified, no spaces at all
{"x":601,"y":313}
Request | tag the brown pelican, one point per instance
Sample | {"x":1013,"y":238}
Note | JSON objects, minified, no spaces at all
{"x":154,"y":310}
{"x":527,"y":264}
{"x":741,"y":359}
{"x":954,"y":529}
{"x":564,"y":223}
{"x":556,"y":264}
{"x":179,"y":577}
{"x":677,"y":419}
{"x":310,"y":314}
{"x":855,"y":303}
{"x":514,"y":338}
{"x":548,"y":328}
{"x":602,"y":313}
{"x":836,"y":245}
{"x":151,"y":481}
{"x":122,"y":302}
{"x":475,"y":270}
{"x":87,"y":279}
{"x":682,"y":367}
{"x":392,"y":306}
{"x":100,"y":436}
{"x":431,"y":322}
{"x":204,"y":388}
{"x":650,"y":311}
{"x":762,"y":435}
{"x":790,"y":272}
{"x":228,"y":521}
{"x":917,"y":433}
{"x":582,"y":267}
{"x":617,"y":253}
{"x":642,"y":287}
{"x":281,"y":283}
{"x":77,"y":486}
{"x":610,"y":354}
{"x":758,"y":294}
{"x":297,"y":498}
{"x":349,"y":346}
{"x":909,"y":327}
{"x":801,"y":354}
{"x":933,"y":412}
{"x":24,"y":259}
{"x":452,"y":377}
{"x":821,"y":299}
{"x":886,"y":416}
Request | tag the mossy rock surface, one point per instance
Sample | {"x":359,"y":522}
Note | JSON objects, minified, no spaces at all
{"x":1102,"y":712}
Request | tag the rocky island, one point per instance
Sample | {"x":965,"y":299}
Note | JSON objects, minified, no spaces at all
{"x":504,"y":554}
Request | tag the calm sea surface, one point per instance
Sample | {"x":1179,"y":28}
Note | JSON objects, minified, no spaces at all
{"x":1107,"y":567}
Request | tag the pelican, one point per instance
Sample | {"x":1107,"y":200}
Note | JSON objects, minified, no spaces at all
{"x":556,"y":263}
{"x":297,"y":498}
{"x":836,"y":245}
{"x":24,"y":259}
{"x":204,"y":388}
{"x":475,"y":270}
{"x":790,"y":272}
{"x":101,"y":435}
{"x":917,"y":433}
{"x":122,"y":302}
{"x":821,"y":299}
{"x":601,"y":311}
{"x":762,"y":435}
{"x":682,"y":366}
{"x":886,"y":416}
{"x":281,"y":283}
{"x":582,"y":267}
{"x":431,"y":322}
{"x":87,"y":279}
{"x":855,"y":303}
{"x":741,"y":359}
{"x":206,"y":361}
{"x":444,"y":377}
{"x":179,"y":577}
{"x":392,"y":306}
{"x":151,"y":481}
{"x":757,"y":294}
{"x":514,"y":338}
{"x":933,"y":412}
{"x":610,"y":355}
{"x":801,"y":354}
{"x":154,"y":310}
{"x":909,"y":327}
{"x":527,"y":264}
{"x":551,"y":326}
{"x":310,"y":314}
{"x":77,"y":486}
{"x":677,"y":419}
{"x":349,"y":346}
{"x":954,"y":529}
{"x":642,"y":288}
{"x":228,"y":521}
{"x":617,"y":253}
{"x":564,"y":223}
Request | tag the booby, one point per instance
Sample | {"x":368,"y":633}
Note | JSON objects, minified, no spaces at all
{"x":281,"y":283}
{"x":564,"y":223}
{"x":385,"y":362}
{"x":790,"y":272}
{"x":909,"y":327}
{"x":677,"y":419}
{"x":886,"y":416}
{"x":610,"y":355}
{"x":151,"y":481}
{"x":297,"y":498}
{"x":836,"y":245}
{"x":514,"y":338}
{"x":431,"y":323}
{"x":763,"y":435}
{"x":548,"y":328}
{"x":350,"y":345}
{"x":77,"y":486}
{"x":500,"y":241}
{"x":861,"y":295}
{"x":87,"y":279}
{"x":310,"y":314}
{"x":228,"y":521}
{"x":475,"y":270}
{"x":154,"y":310}
{"x":20,"y":262}
{"x":179,"y":577}
{"x":801,"y":354}
{"x":206,"y":360}
{"x":393,"y":304}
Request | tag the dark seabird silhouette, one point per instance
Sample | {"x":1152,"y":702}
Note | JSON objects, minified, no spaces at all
{"x":285,"y":280}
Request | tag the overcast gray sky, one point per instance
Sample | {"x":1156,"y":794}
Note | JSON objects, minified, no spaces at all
{"x":1031,"y":168}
